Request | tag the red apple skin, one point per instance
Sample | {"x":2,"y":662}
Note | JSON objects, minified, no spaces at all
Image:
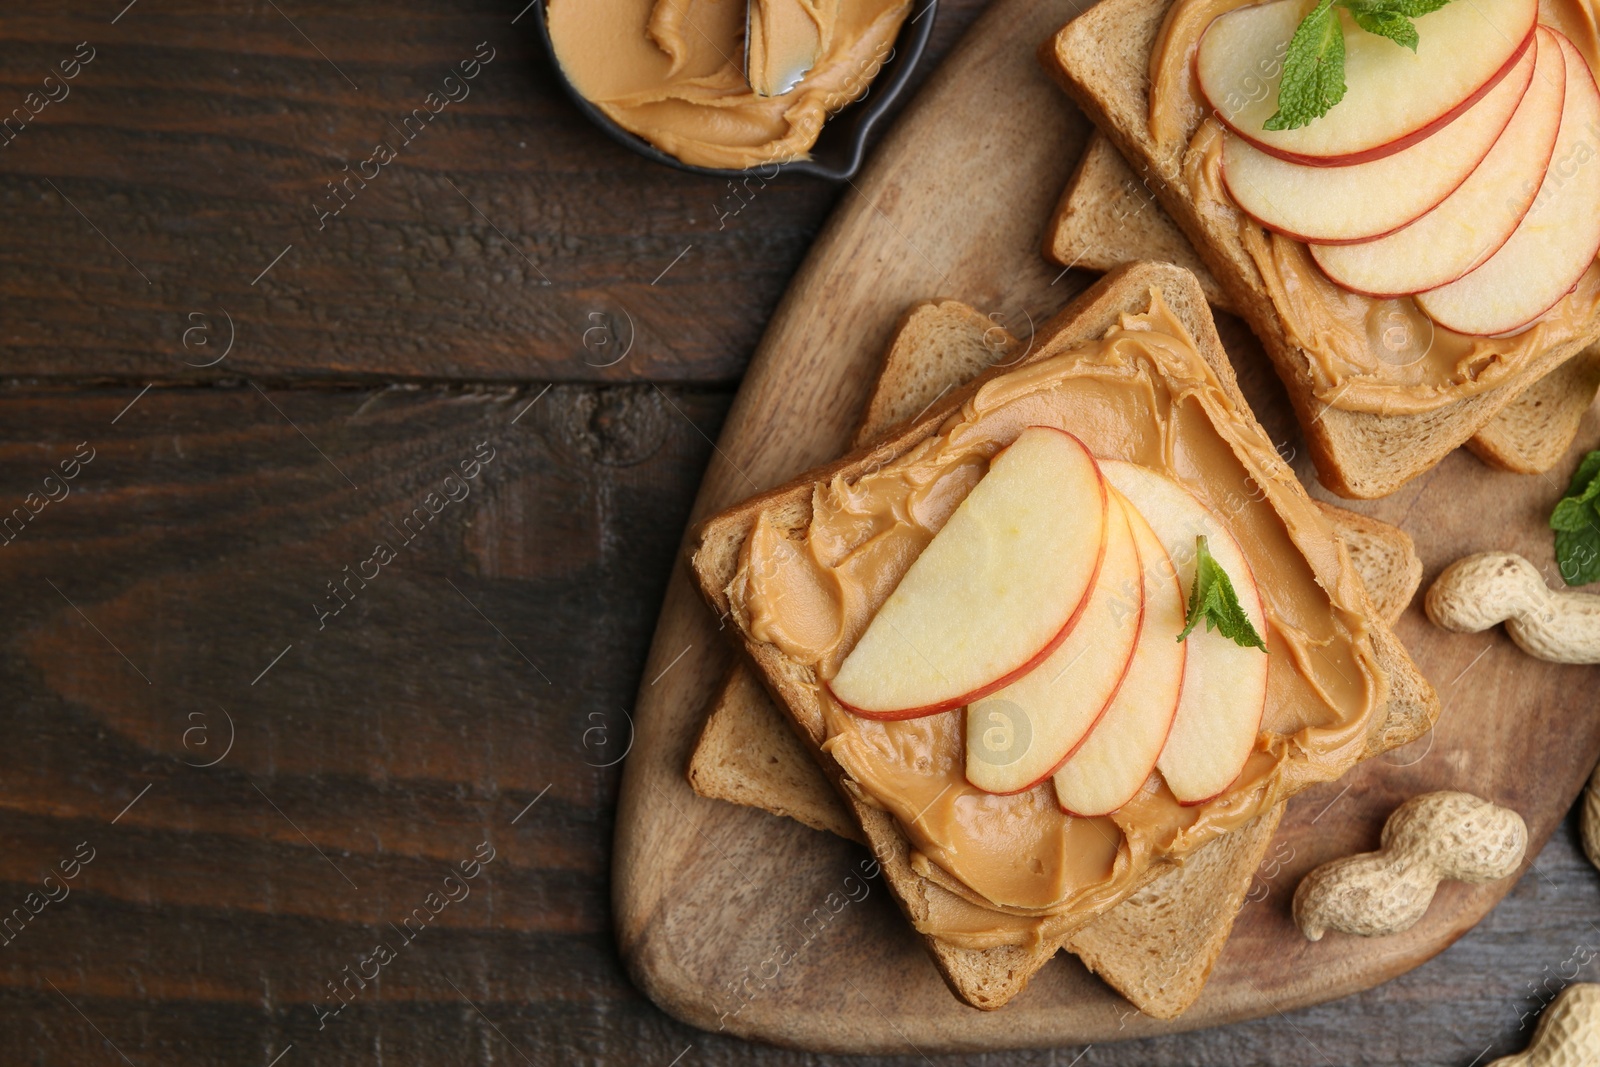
{"x":1260,"y":715}
{"x":1094,"y":815}
{"x":1043,"y":654}
{"x":1391,"y":147}
{"x":1303,"y":239}
{"x":1531,"y":319}
{"x":1127,"y":478}
{"x":1586,"y":75}
{"x":1351,"y":161}
{"x":1073,"y":751}
{"x":1218,"y":793}
{"x":1177,"y":696}
{"x":1511,"y":331}
{"x":1443,"y":204}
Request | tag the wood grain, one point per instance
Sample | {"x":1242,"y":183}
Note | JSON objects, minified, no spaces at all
{"x":697,"y":881}
{"x":206,"y":927}
{"x":147,"y":611}
{"x":198,"y":143}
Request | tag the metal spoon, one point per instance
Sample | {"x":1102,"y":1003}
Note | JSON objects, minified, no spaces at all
{"x":796,"y":54}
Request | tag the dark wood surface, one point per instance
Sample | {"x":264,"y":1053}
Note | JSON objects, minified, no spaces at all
{"x":490,"y":664}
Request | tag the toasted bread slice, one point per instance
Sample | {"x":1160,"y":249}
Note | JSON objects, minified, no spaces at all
{"x":988,"y":977}
{"x":747,"y":754}
{"x":1108,"y":216}
{"x":1156,"y":948}
{"x":1102,"y":59}
{"x":939,"y":346}
{"x":1533,"y":432}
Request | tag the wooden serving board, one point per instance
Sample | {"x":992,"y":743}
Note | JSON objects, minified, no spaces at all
{"x":711,"y":898}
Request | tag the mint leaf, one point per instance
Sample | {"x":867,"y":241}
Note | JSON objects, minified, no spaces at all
{"x":1313,"y":70}
{"x":1382,"y":19}
{"x":1586,"y":475}
{"x":1576,"y":521}
{"x":1416,"y":8}
{"x":1571,"y":514}
{"x":1578,"y":555}
{"x":1212,"y":598}
{"x":1313,"y":66}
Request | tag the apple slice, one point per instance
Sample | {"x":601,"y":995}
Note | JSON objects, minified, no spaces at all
{"x":1556,"y":240}
{"x":1395,"y":97}
{"x":1367,"y":200}
{"x":1224,"y":684}
{"x":996,"y":590}
{"x":1019,"y":736}
{"x":1476,"y":220}
{"x":1114,"y":761}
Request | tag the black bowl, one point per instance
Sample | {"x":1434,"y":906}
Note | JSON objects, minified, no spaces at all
{"x":842,"y":145}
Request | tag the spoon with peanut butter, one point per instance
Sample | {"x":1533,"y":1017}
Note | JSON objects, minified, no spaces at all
{"x":782,"y":40}
{"x":735,"y":86}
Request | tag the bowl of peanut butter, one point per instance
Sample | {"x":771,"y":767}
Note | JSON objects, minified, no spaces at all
{"x":727,"y":87}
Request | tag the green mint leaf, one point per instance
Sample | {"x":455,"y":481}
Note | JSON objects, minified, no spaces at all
{"x":1586,"y":476}
{"x":1212,"y":598}
{"x":1572,"y":514}
{"x":1415,"y":9}
{"x":1313,"y":70}
{"x":1313,"y":65}
{"x":1578,"y":555}
{"x":1382,"y":19}
{"x":1576,"y":521}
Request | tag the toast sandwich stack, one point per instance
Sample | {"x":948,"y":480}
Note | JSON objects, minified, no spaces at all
{"x":1108,"y":216}
{"x":1178,"y":89}
{"x":1180,"y":888}
{"x":1156,"y":948}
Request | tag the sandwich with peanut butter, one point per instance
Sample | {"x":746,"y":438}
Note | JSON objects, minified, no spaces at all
{"x":1401,"y":199}
{"x":1107,"y":216}
{"x":1156,"y":948}
{"x":1064,"y":631}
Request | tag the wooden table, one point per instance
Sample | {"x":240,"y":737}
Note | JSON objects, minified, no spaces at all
{"x":276,"y":765}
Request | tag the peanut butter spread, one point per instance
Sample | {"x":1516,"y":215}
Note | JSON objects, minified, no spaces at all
{"x":1365,"y":354}
{"x":1016,"y":869}
{"x":673,"y":71}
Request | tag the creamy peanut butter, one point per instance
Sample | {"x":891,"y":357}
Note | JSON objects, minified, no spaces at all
{"x":674,"y":71}
{"x":1364,"y":354}
{"x":1013,"y":869}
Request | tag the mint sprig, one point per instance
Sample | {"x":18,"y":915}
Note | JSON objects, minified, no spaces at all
{"x":1313,"y":70}
{"x":1313,"y":66}
{"x":1212,"y":598}
{"x":1576,"y":521}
